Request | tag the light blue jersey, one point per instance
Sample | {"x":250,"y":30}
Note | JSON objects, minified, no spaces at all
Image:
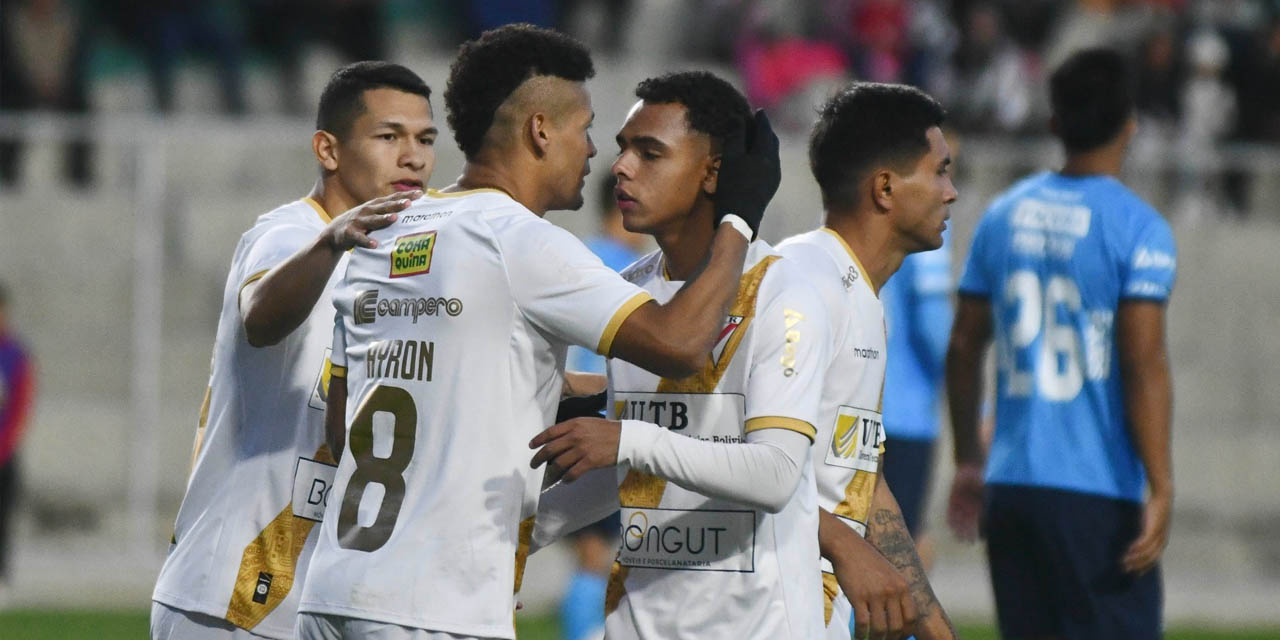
{"x":917,"y":310}
{"x":1056,"y":255}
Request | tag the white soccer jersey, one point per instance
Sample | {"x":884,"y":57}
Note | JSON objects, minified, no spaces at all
{"x":453,"y":335}
{"x":260,"y":466}
{"x":690,"y":566}
{"x":850,"y":432}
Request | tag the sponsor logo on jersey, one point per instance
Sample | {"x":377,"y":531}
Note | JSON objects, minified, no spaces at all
{"x":689,"y":539}
{"x":1146,"y":258}
{"x":368,"y":307}
{"x":730,"y":327}
{"x":312,"y":484}
{"x":868,"y":354}
{"x":713,"y":417}
{"x":849,"y":278}
{"x":411,"y":255}
{"x":1038,"y":215}
{"x":263,"y":588}
{"x":856,"y":439}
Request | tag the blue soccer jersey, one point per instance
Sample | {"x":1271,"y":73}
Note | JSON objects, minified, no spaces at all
{"x":917,"y":310}
{"x":1055,"y":255}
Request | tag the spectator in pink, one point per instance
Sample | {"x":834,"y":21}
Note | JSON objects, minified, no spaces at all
{"x":17,"y":388}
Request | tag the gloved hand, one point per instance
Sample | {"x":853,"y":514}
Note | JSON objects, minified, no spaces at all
{"x":749,"y":173}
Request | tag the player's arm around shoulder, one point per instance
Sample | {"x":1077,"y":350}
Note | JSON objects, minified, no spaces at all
{"x":273,"y":306}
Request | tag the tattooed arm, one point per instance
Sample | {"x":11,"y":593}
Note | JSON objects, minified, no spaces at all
{"x":887,"y":532}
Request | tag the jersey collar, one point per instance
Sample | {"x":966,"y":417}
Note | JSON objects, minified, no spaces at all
{"x":324,"y":215}
{"x":875,"y":288}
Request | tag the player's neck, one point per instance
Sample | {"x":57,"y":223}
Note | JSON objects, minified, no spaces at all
{"x":502,"y":178}
{"x":685,"y":244}
{"x":1105,"y":161}
{"x":332,"y":198}
{"x":872,"y":244}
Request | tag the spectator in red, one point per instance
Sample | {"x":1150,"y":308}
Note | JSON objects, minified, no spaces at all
{"x":17,"y":388}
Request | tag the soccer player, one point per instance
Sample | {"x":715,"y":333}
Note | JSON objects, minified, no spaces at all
{"x":918,"y":312}
{"x":1070,"y":271}
{"x":713,"y":477}
{"x":261,"y":469}
{"x":883,"y":166}
{"x":451,"y":340}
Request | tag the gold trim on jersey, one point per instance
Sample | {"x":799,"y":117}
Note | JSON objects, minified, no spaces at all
{"x":644,"y":490}
{"x":436,"y":193}
{"x":875,"y":288}
{"x":274,"y":553}
{"x":781,"y":422}
{"x":324,"y":215}
{"x":620,"y":316}
{"x":199,"y":444}
{"x":830,"y":589}
{"x":855,"y":506}
{"x":334,"y":370}
{"x":250,"y":280}
{"x":523,"y":540}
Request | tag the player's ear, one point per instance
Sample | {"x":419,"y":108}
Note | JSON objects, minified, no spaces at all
{"x":711,"y":175}
{"x":882,"y":189}
{"x":325,"y":146}
{"x":539,"y":132}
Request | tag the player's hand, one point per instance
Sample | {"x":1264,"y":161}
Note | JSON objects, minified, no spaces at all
{"x":352,"y":228}
{"x":965,"y":504}
{"x":749,"y":174}
{"x":577,"y":446}
{"x":880,"y":595}
{"x":1145,"y":551}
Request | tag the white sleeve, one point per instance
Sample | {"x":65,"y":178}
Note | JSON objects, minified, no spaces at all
{"x":563,"y":288}
{"x":271,"y":248}
{"x":338,"y":355}
{"x":762,"y":473}
{"x":789,"y":358}
{"x":569,"y":506}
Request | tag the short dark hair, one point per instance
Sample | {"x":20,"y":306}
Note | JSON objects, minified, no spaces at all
{"x":490,"y":68}
{"x":342,"y":100}
{"x":1092,"y":98}
{"x":865,"y":125}
{"x":712,"y":106}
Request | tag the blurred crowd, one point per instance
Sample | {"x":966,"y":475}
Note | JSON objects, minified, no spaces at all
{"x":1207,"y":70}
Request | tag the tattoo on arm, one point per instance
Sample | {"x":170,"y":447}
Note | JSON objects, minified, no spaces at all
{"x":888,"y":533}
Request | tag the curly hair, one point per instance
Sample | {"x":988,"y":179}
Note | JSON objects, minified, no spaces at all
{"x":712,"y":106}
{"x":342,"y":100}
{"x":868,"y":124}
{"x":490,"y":68}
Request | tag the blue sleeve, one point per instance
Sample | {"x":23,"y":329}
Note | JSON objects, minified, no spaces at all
{"x":1152,"y":264}
{"x":975,"y":279}
{"x":931,"y":305}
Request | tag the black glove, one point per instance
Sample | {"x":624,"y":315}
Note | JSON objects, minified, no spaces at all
{"x":581,"y":407}
{"x":749,"y":173}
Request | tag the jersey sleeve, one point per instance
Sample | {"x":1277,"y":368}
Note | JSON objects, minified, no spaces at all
{"x":271,"y":248}
{"x":791,"y":346}
{"x":1151,"y":266}
{"x":976,"y":280}
{"x":564,"y":289}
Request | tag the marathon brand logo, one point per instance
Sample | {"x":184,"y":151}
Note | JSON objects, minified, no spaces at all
{"x":856,"y":440}
{"x":867,"y":353}
{"x":312,"y":483}
{"x":368,"y":307}
{"x":411,"y":255}
{"x":263,"y":588}
{"x":688,"y":539}
{"x":714,"y":417}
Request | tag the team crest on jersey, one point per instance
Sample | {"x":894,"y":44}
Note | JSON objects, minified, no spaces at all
{"x":726,"y":334}
{"x":411,"y":255}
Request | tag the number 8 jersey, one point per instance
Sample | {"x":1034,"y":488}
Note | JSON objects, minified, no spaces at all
{"x":452,"y":336}
{"x":1055,"y":255}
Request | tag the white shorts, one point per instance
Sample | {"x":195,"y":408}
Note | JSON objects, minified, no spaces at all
{"x":319,"y":626}
{"x":169,"y":623}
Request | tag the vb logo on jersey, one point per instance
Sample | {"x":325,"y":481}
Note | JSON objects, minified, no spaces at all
{"x":412,"y":254}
